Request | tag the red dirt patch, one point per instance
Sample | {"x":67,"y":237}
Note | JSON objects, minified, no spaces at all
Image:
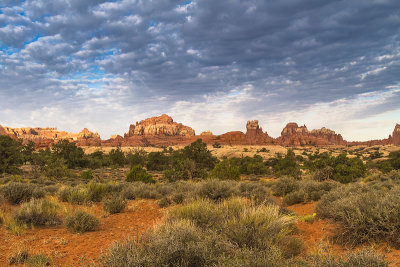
{"x":67,"y":249}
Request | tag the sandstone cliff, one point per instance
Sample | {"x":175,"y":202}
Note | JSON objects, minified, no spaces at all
{"x":396,"y":135}
{"x":44,"y":137}
{"x":294,"y":135}
{"x":162,"y":125}
{"x":163,"y":131}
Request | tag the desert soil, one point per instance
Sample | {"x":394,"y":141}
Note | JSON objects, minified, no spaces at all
{"x":68,"y":249}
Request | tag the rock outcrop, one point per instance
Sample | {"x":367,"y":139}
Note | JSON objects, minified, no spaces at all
{"x":206,"y":133}
{"x":163,"y":131}
{"x":255,"y":134}
{"x":44,"y":137}
{"x":163,"y":125}
{"x":294,"y":135}
{"x":396,"y":135}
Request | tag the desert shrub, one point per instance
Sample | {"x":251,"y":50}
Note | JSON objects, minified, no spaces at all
{"x":96,"y":191}
{"x":173,"y":244}
{"x":11,"y":156}
{"x":394,"y":158}
{"x":81,"y":221}
{"x":78,"y":196}
{"x":323,"y":174}
{"x":138,"y":174}
{"x":361,"y":258}
{"x":38,"y":212}
{"x":18,"y":257}
{"x":252,"y":257}
{"x":15,"y":193}
{"x":216,"y":145}
{"x":51,"y":189}
{"x":217,"y":190}
{"x":178,"y":198}
{"x":38,"y":260}
{"x":164,"y":202}
{"x":285,"y":186}
{"x":254,"y":191}
{"x":291,"y":246}
{"x":138,"y":190}
{"x":226,"y":170}
{"x":87,"y":175}
{"x":366,"y":212}
{"x":309,"y":191}
{"x":114,"y":205}
{"x":63,"y":193}
{"x":294,"y":197}
{"x":258,"y":227}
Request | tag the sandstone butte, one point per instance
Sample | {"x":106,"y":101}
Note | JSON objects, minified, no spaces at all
{"x":163,"y":131}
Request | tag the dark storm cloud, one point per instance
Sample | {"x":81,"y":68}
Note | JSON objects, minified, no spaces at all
{"x":292,"y":53}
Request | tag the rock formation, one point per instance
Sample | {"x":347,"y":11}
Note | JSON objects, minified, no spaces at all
{"x":44,"y":137}
{"x":163,"y":131}
{"x":293,"y":135}
{"x":162,"y":125}
{"x":255,"y":134}
{"x":396,"y":135}
{"x":206,"y":133}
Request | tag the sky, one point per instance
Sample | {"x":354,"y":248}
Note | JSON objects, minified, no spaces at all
{"x":209,"y":64}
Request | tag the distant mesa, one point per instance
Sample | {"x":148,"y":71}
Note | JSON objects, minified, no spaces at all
{"x":163,"y":131}
{"x":163,"y":125}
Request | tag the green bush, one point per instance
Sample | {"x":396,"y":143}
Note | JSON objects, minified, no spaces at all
{"x":117,"y":157}
{"x":255,"y":191}
{"x":96,"y":191}
{"x":217,"y":190}
{"x":11,"y":156}
{"x":164,"y":202}
{"x":16,"y":193}
{"x":294,"y":198}
{"x":115,"y":204}
{"x":226,"y":170}
{"x":18,"y":257}
{"x":38,"y":212}
{"x":361,"y":258}
{"x":138,"y":174}
{"x":365,"y":212}
{"x":78,"y":196}
{"x":81,"y":221}
{"x":138,"y":190}
{"x":74,"y":156}
{"x":172,"y":244}
{"x":285,"y":186}
{"x":87,"y":175}
{"x":38,"y":260}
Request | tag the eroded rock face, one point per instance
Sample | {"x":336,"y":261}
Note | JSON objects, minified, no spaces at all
{"x":396,"y":135}
{"x":206,"y":133}
{"x":162,"y":125}
{"x":255,"y":134}
{"x":44,"y":137}
{"x":293,"y":135}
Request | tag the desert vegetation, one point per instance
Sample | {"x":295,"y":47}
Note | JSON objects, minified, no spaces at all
{"x":229,"y":211}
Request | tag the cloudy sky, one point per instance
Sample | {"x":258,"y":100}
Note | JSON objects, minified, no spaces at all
{"x":210,"y":64}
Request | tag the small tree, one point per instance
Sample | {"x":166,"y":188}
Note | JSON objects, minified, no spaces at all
{"x":226,"y":170}
{"x":10,"y":154}
{"x":139,"y":174}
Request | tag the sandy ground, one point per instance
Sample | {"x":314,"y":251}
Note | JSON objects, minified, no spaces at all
{"x":68,"y":249}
